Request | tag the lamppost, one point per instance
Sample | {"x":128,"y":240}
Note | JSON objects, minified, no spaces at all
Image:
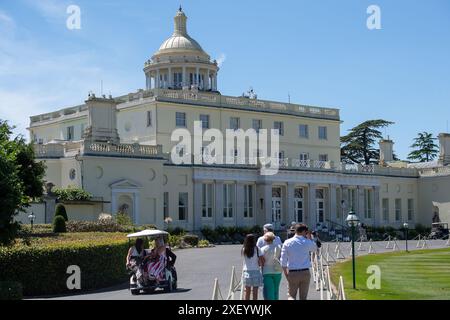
{"x":32,"y":217}
{"x":352,"y":221}
{"x":405,"y":226}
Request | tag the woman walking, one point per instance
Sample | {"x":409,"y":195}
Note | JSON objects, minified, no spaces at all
{"x":272,"y":267}
{"x":251,"y":271}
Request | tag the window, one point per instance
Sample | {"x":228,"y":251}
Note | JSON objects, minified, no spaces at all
{"x":70,"y":133}
{"x":280,"y":126}
{"x":82,"y":126}
{"x":303,"y":131}
{"x":149,"y":119}
{"x":257,"y":124}
{"x":385,"y":209}
{"x":323,"y":133}
{"x":248,"y":201}
{"x":398,"y":209}
{"x":180,"y":119}
{"x":207,"y":200}
{"x":177,"y":79}
{"x":179,"y":149}
{"x":235,"y":123}
{"x":320,"y":205}
{"x":204,"y":118}
{"x":298,"y":204}
{"x":410,"y":209}
{"x":228,"y":200}
{"x":166,"y":205}
{"x":368,"y":201}
{"x":182,"y":206}
{"x":304,"y":156}
{"x":323,"y":157}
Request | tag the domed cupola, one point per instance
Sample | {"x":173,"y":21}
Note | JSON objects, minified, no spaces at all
{"x":181,"y":63}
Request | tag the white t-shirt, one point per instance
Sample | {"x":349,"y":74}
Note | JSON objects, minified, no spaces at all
{"x":272,"y":254}
{"x":252,"y":264}
{"x":261,"y":243}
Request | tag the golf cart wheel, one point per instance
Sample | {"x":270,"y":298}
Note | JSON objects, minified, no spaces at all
{"x":135,"y":292}
{"x":149,"y":291}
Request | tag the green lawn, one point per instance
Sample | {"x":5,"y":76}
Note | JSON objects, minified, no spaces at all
{"x":417,"y":275}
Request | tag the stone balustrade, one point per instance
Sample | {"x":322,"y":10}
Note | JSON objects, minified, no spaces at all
{"x":437,"y":171}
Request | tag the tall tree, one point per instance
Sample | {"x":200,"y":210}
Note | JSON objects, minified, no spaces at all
{"x":424,"y":148}
{"x":358,"y":146}
{"x":20,"y":180}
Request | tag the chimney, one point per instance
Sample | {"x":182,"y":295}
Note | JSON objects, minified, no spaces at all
{"x":386,"y":151}
{"x":102,"y":120}
{"x":444,"y":146}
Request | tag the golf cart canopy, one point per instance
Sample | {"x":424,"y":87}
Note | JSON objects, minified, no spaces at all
{"x":148,"y":233}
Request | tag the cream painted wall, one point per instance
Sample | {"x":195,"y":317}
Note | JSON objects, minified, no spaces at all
{"x":290,"y":143}
{"x":434,"y":189}
{"x":175,"y":180}
{"x":132,"y":124}
{"x":399,"y":188}
{"x":58,"y":129}
{"x":100,"y":172}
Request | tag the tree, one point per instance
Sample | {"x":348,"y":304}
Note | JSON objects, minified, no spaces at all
{"x":20,"y":180}
{"x":358,"y":145}
{"x":425,"y":148}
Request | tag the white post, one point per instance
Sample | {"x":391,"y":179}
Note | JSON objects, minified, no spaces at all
{"x":216,"y":290}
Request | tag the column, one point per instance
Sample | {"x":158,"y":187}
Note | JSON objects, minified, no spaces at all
{"x":208,"y":86}
{"x":184,"y":82}
{"x":218,"y":203}
{"x":157,"y":79}
{"x":197,"y":76}
{"x":332,"y":202}
{"x":290,"y":214}
{"x":346,"y":205}
{"x":376,"y":206}
{"x":240,"y":220}
{"x":197,"y":205}
{"x":170,"y":78}
{"x":360,"y":195}
{"x":312,"y":210}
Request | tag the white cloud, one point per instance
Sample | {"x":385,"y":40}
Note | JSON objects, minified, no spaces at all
{"x":6,"y":22}
{"x":221,"y":59}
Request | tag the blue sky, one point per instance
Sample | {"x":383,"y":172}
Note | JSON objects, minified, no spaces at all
{"x":318,"y":52}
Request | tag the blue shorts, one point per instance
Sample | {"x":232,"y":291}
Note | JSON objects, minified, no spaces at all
{"x":252,"y":278}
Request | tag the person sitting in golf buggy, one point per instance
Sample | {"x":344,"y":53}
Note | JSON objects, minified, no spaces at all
{"x":136,"y":255}
{"x":159,"y":258}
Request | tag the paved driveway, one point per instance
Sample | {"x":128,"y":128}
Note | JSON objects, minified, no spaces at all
{"x":197,"y":269}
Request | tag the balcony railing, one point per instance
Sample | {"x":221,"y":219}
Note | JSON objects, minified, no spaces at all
{"x":71,"y":148}
{"x":437,"y":171}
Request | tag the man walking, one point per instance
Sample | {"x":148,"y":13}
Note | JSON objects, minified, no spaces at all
{"x":261,"y":242}
{"x":295,"y":260}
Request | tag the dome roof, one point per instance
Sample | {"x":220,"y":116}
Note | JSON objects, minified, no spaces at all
{"x":180,"y":41}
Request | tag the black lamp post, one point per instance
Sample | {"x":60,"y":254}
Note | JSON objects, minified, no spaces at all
{"x":352,"y":221}
{"x":32,"y":217}
{"x":405,"y":226}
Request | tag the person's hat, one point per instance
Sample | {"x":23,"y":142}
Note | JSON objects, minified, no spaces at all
{"x":268,"y":227}
{"x":293,"y":223}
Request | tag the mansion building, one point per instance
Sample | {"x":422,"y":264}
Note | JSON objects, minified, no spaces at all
{"x":118,"y":150}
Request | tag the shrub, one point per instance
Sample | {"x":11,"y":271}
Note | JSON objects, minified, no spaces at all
{"x":175,"y":240}
{"x":61,"y":211}
{"x":203,"y":244}
{"x":191,"y":239}
{"x":176,"y":231}
{"x":59,"y":224}
{"x":210,"y":234}
{"x":42,"y":268}
{"x":72,"y":194}
{"x":123,"y":219}
{"x":10,"y":290}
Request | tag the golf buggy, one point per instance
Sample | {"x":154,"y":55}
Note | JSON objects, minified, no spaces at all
{"x":139,"y":283}
{"x":439,"y":230}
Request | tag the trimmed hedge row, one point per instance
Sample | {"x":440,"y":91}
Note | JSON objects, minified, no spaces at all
{"x":42,"y":270}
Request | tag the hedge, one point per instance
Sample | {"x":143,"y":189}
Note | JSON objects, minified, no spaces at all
{"x":41,"y":269}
